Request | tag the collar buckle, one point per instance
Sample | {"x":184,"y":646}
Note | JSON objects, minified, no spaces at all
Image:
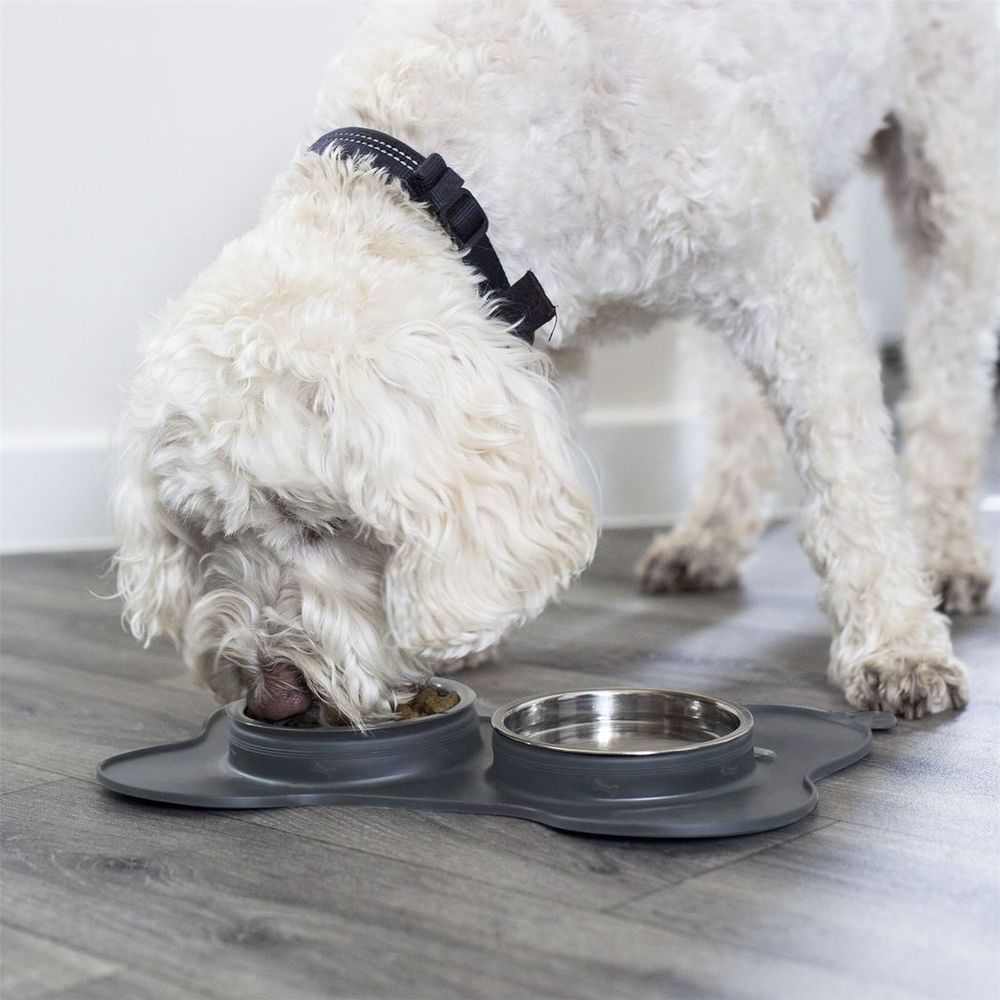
{"x":431,"y":182}
{"x":440,"y":188}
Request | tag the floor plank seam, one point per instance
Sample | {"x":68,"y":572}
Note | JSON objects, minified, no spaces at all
{"x":717,"y":868}
{"x":61,"y":661}
{"x":55,"y":779}
{"x":902,"y":831}
{"x":117,"y":968}
{"x":70,"y":992}
{"x":34,"y":787}
{"x":195,"y":990}
{"x":432,"y":869}
{"x":48,"y":775}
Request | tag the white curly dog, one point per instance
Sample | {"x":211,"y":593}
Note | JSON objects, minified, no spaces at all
{"x":339,"y":469}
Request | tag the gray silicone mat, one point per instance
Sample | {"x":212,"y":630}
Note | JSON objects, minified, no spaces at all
{"x":457,"y":763}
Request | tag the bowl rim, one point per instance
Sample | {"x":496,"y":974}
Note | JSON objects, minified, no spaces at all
{"x":745,"y":716}
{"x":236,"y":710}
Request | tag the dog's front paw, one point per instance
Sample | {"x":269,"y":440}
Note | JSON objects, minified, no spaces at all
{"x":962,"y":592}
{"x":672,"y":564}
{"x":470,"y":661}
{"x":908,"y":683}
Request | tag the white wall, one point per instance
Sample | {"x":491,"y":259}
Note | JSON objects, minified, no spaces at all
{"x":139,"y":137}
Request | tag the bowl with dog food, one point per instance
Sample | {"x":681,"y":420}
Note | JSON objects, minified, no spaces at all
{"x":640,"y":762}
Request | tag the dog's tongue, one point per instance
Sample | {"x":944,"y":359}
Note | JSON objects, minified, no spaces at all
{"x":280,"y":694}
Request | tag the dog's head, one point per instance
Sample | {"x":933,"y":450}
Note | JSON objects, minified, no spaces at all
{"x":335,"y":379}
{"x":447,"y":438}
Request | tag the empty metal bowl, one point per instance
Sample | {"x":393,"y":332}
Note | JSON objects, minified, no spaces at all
{"x":623,"y":722}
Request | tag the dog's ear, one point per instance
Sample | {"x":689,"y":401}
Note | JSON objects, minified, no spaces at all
{"x":156,"y":563}
{"x":455,"y":453}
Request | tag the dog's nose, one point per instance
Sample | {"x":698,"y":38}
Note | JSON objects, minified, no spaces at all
{"x":279,"y":694}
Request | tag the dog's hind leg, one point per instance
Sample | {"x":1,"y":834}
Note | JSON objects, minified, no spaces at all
{"x":704,"y":550}
{"x":940,"y":163}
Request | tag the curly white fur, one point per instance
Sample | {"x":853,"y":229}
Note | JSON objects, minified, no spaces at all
{"x":334,"y":458}
{"x":939,"y":160}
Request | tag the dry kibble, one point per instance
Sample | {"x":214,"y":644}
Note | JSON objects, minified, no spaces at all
{"x":428,"y":701}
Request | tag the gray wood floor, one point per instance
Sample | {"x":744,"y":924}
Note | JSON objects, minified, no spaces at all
{"x":889,"y":889}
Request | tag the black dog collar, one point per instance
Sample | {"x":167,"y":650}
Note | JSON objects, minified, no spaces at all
{"x":435,"y":185}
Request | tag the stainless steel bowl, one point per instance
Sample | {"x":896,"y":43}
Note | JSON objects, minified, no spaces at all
{"x":623,"y":722}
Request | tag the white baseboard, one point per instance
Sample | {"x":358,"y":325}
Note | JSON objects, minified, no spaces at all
{"x":649,"y":463}
{"x":54,"y":490}
{"x":646,"y":467}
{"x":53,"y":494}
